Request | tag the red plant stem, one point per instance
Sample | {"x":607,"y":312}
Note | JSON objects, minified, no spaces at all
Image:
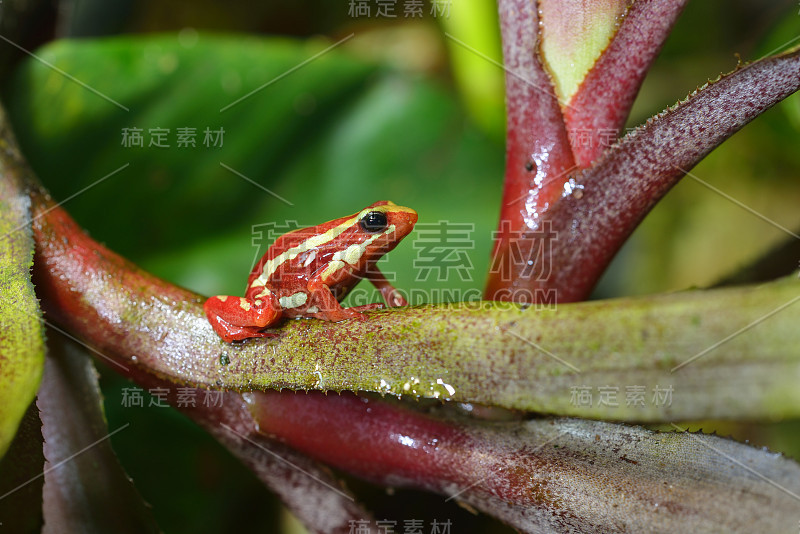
{"x":375,"y":440}
{"x":538,"y":154}
{"x":560,"y":229}
{"x":483,"y":464}
{"x":627,"y":182}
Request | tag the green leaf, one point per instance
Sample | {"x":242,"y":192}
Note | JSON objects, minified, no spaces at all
{"x":332,"y":136}
{"x":573,"y":35}
{"x":21,"y":336}
{"x":73,"y":135}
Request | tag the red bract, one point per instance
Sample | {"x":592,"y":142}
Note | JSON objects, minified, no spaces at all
{"x":568,"y":208}
{"x":597,"y":112}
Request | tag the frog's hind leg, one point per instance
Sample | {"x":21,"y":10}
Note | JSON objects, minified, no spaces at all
{"x":236,"y":318}
{"x":229,"y":332}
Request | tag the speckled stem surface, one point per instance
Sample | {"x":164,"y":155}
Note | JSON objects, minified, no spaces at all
{"x":543,"y":475}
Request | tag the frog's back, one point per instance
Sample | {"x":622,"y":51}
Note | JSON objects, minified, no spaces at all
{"x":289,"y":255}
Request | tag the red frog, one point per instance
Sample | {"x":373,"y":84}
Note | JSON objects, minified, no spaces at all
{"x":307,"y":272}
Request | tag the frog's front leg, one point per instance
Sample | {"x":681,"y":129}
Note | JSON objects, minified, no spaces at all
{"x":389,"y":293}
{"x":236,"y":318}
{"x":329,"y":308}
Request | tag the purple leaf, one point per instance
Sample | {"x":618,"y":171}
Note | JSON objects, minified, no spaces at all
{"x":85,"y":488}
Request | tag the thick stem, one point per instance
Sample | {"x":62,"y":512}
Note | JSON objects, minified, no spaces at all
{"x":538,"y":154}
{"x":579,"y":234}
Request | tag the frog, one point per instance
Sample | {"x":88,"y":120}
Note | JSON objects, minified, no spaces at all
{"x":306,"y":273}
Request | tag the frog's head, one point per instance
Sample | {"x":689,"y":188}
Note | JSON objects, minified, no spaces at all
{"x":372,"y":232}
{"x":383,"y":225}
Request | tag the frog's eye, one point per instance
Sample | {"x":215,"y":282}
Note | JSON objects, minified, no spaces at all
{"x":374,"y":221}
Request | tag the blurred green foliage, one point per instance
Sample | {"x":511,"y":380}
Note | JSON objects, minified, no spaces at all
{"x":331,"y":137}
